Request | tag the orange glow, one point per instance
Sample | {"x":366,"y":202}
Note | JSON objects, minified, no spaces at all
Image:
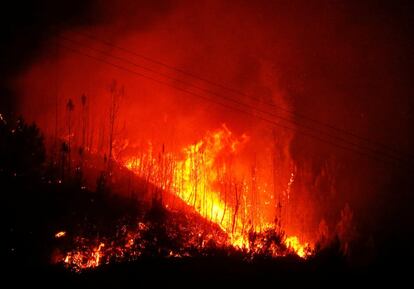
{"x":302,"y":250}
{"x":206,"y":178}
{"x":84,"y":260}
{"x":60,"y":234}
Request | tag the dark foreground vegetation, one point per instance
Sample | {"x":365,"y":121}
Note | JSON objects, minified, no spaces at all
{"x":36,"y":205}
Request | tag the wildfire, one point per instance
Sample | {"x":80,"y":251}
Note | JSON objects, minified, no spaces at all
{"x":198,"y":175}
{"x":205,"y":179}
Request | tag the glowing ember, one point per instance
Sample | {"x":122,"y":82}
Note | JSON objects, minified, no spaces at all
{"x":60,"y":234}
{"x":84,"y":260}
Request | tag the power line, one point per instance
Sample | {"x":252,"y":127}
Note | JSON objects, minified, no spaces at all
{"x":386,"y":148}
{"x":225,"y":105}
{"x":356,"y":149}
{"x":373,"y":150}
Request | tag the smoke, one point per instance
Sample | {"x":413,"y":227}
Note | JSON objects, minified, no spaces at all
{"x":345,"y":66}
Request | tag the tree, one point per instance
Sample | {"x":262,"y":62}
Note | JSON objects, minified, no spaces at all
{"x":84,"y":118}
{"x":116,"y":93}
{"x":22,"y":150}
{"x":82,"y":147}
{"x":64,"y":158}
{"x":345,"y":228}
{"x":70,"y":108}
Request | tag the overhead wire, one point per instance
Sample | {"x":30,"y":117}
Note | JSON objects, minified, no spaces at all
{"x":258,"y":114}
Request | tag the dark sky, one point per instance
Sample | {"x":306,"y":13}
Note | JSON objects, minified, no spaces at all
{"x":25,"y":25}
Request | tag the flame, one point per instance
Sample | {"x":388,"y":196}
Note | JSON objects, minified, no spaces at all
{"x":302,"y":250}
{"x":60,"y":234}
{"x":197,"y":175}
{"x":83,"y":260}
{"x":205,"y":179}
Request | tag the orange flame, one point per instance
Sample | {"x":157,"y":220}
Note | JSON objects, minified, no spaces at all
{"x":206,"y":179}
{"x":83,"y":260}
{"x":60,"y":234}
{"x":302,"y":250}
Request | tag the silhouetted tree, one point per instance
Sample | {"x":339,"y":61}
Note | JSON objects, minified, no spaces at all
{"x":64,"y":158}
{"x":22,"y":150}
{"x":101,"y":183}
{"x":69,"y":107}
{"x":116,"y":95}
{"x":84,"y":119}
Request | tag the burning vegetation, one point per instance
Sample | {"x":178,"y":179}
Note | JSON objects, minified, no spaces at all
{"x":263,"y":132}
{"x":203,"y":180}
{"x":225,"y":193}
